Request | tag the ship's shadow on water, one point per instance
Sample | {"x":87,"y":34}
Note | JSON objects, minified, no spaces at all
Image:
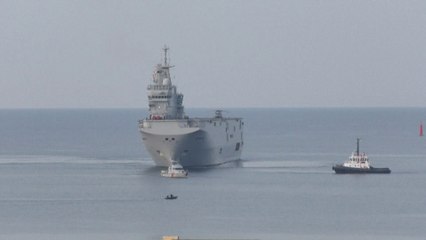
{"x":231,"y":164}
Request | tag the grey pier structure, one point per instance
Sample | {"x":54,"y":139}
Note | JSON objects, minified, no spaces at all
{"x":171,"y":136}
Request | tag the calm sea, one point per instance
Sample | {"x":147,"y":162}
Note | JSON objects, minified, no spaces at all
{"x":84,"y":174}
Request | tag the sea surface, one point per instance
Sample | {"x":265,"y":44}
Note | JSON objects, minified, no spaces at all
{"x":84,"y":174}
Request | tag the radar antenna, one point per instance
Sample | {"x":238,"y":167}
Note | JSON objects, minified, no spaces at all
{"x":165,"y":54}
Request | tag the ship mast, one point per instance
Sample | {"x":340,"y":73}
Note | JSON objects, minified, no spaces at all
{"x":357,"y":146}
{"x":165,"y":48}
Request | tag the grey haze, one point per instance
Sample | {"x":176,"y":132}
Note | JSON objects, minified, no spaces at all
{"x":90,"y":54}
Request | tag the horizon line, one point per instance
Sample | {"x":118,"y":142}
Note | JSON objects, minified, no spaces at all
{"x":145,"y":108}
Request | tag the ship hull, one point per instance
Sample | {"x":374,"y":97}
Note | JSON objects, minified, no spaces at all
{"x":193,"y":143}
{"x":340,"y":169}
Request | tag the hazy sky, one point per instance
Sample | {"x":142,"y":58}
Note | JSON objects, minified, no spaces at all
{"x":227,"y":53}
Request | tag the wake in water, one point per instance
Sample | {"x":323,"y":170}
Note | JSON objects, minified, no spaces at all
{"x":286,"y":166}
{"x":40,"y":159}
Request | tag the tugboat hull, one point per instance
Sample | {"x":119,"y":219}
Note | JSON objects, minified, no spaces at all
{"x":340,"y":169}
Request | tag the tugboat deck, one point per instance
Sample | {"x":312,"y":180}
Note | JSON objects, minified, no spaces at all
{"x":340,"y":169}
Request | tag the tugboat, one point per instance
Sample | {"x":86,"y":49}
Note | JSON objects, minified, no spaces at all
{"x":358,"y":163}
{"x":175,"y":170}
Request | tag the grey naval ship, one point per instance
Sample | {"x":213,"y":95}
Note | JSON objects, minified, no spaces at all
{"x":172,"y":137}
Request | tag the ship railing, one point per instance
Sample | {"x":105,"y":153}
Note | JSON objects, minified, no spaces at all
{"x":158,"y":87}
{"x":186,"y":123}
{"x":189,"y":123}
{"x":194,"y":123}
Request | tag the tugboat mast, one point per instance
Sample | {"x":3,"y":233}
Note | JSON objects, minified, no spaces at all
{"x":357,"y":146}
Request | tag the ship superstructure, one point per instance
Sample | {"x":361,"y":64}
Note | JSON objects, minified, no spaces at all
{"x":170,"y":136}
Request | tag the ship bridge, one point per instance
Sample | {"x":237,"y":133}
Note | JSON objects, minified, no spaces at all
{"x":164,"y":100}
